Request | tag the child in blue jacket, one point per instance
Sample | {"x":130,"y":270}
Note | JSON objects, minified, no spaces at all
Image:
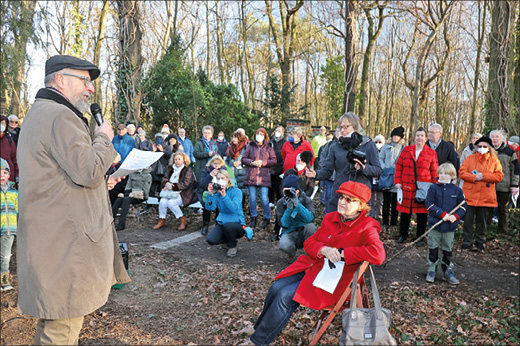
{"x":442,"y":198}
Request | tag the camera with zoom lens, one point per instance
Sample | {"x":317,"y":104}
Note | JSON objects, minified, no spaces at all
{"x":291,"y":193}
{"x":356,"y":154}
{"x":217,"y":186}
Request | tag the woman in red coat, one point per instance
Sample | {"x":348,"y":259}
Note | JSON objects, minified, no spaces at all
{"x":295,"y":144}
{"x":349,"y":228}
{"x":425,"y":158}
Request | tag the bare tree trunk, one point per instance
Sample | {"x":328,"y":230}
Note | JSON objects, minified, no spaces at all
{"x":250,"y":78}
{"x":480,"y":40}
{"x":169,"y":23}
{"x":21,"y":31}
{"x":502,"y":20}
{"x":99,"y":42}
{"x":219,"y":47}
{"x":130,"y":64}
{"x":350,"y":56}
{"x":208,"y":47}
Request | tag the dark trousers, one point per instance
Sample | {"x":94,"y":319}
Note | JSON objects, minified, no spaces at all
{"x":278,"y":309}
{"x":124,"y":204}
{"x":227,"y":233}
{"x":422,"y":218}
{"x":503,"y":202}
{"x":475,"y":216}
{"x":275,"y":192}
{"x":119,"y":188}
{"x":390,"y":208}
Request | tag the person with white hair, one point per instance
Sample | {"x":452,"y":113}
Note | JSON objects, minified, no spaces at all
{"x":445,"y":150}
{"x":509,"y":183}
{"x":13,"y":128}
{"x":131,"y":130}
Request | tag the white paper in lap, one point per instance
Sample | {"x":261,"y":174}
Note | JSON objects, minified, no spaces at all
{"x":328,"y":279}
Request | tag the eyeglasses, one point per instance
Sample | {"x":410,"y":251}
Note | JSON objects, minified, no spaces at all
{"x":13,"y":121}
{"x":347,"y":199}
{"x":86,"y":80}
{"x":345,"y":127}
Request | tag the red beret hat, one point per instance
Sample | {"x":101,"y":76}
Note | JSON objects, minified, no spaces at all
{"x":356,"y":190}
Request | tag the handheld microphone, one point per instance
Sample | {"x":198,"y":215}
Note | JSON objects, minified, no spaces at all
{"x":95,"y":109}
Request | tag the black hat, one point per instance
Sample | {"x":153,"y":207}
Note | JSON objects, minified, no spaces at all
{"x":398,"y":131}
{"x":484,"y":139}
{"x":291,"y":181}
{"x":306,"y":156}
{"x":58,"y":62}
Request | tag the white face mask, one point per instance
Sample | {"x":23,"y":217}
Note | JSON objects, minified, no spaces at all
{"x":278,"y":134}
{"x":220,"y":138}
{"x":300,"y":166}
{"x":379,"y":146}
{"x":2,"y":128}
{"x":222,"y":182}
{"x":259,"y":138}
{"x":483,"y":150}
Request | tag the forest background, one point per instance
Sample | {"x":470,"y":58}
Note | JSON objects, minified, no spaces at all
{"x":257,"y":63}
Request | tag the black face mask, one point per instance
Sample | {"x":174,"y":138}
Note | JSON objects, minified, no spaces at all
{"x":351,"y":142}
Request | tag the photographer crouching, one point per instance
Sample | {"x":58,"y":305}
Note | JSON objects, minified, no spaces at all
{"x":295,"y":211}
{"x":230,"y":220}
{"x":354,"y":157}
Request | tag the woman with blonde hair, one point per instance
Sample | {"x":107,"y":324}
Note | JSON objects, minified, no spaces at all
{"x":480,"y":172}
{"x":177,"y":189}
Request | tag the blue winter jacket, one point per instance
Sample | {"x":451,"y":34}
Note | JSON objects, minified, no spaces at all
{"x":292,"y":219}
{"x":123,"y":145}
{"x":441,"y":199}
{"x":188,"y":148}
{"x":229,"y":206}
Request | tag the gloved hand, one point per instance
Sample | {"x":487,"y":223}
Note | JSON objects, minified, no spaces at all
{"x":249,"y":232}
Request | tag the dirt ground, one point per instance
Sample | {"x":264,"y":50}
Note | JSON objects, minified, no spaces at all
{"x":193,"y":294}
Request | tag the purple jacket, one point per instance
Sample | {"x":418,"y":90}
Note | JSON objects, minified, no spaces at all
{"x":258,"y":176}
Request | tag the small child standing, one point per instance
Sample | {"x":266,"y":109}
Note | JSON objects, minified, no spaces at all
{"x":442,"y":198}
{"x":8,"y":215}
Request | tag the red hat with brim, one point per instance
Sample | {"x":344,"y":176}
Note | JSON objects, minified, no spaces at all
{"x":356,"y":190}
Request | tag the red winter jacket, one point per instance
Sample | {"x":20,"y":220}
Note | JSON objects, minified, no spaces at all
{"x":427,"y":165}
{"x":289,"y":154}
{"x":359,"y":239}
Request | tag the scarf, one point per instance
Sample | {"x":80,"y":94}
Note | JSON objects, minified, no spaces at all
{"x":234,"y":150}
{"x":351,"y":142}
{"x":176,"y":174}
{"x":56,"y":96}
{"x":209,"y":145}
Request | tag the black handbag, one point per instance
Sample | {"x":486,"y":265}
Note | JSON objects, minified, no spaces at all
{"x":366,"y":326}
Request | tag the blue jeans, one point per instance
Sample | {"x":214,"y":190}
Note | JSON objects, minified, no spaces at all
{"x":227,"y":233}
{"x":278,"y":308}
{"x":328,"y":193}
{"x":264,"y":197}
{"x":5,"y":252}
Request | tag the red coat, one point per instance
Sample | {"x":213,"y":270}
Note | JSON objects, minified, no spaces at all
{"x":359,"y":239}
{"x":289,"y":154}
{"x":427,"y":165}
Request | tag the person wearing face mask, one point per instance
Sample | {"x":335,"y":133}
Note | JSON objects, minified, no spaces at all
{"x":376,"y":202}
{"x":222,"y":144}
{"x":234,"y":153}
{"x":324,"y":151}
{"x":277,"y":142}
{"x":509,"y":184}
{"x":442,"y":198}
{"x":417,"y":163}
{"x":468,"y":151}
{"x":480,"y":172}
{"x":303,"y":161}
{"x":231,"y":224}
{"x":344,"y":158}
{"x":13,"y":127}
{"x":144,"y":143}
{"x":388,"y":157}
{"x":8,"y":149}
{"x":295,"y":144}
{"x":258,"y":159}
{"x":208,"y":176}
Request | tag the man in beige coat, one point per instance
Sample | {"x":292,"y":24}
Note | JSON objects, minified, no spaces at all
{"x":67,"y":249}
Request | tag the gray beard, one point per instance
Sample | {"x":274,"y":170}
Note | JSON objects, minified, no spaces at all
{"x":82,"y":106}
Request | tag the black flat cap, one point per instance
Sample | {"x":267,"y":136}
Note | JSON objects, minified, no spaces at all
{"x":58,"y":62}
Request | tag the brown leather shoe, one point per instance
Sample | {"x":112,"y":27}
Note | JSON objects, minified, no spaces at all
{"x":159,"y":224}
{"x":183,"y":224}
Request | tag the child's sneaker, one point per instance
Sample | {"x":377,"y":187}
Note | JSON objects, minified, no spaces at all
{"x":430,"y":277}
{"x":450,"y":277}
{"x":6,"y":286}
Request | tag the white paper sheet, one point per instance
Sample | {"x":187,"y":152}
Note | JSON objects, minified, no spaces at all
{"x":328,"y":279}
{"x":399,"y":196}
{"x":136,"y":160}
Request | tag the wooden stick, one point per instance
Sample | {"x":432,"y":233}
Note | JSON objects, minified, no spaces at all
{"x":424,"y":235}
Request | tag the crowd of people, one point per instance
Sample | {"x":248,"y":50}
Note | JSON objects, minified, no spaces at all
{"x":360,"y":180}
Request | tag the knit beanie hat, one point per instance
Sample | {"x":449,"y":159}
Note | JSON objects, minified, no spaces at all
{"x":291,"y":181}
{"x":398,"y":131}
{"x":5,"y":165}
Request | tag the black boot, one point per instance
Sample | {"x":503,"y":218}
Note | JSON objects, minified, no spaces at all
{"x":253,"y":221}
{"x":206,"y":217}
{"x":120,"y":226}
{"x":265,"y":223}
{"x":204,"y":230}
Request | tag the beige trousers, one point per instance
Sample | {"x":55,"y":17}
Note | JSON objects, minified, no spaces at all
{"x":58,"y":332}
